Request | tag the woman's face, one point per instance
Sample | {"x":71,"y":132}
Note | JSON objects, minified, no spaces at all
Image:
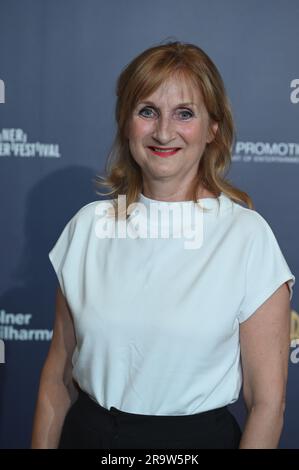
{"x":174,"y":117}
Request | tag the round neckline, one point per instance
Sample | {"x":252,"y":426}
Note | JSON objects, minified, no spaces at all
{"x":206,"y":201}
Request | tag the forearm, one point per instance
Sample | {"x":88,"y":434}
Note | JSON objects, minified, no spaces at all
{"x":54,"y":400}
{"x":263,"y":427}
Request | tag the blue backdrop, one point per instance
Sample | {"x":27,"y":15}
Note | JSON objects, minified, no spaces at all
{"x":59,"y":61}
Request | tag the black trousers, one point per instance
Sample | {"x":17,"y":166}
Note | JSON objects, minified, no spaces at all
{"x":88,"y":425}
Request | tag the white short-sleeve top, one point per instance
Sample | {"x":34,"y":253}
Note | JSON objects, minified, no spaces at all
{"x":157,"y":324}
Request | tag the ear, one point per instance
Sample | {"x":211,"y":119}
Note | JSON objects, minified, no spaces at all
{"x":212,"y":131}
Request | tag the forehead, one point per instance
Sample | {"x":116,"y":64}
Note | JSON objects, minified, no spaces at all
{"x":176,"y":90}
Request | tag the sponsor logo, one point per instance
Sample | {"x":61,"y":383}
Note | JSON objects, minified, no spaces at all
{"x":294,"y":325}
{"x":16,"y":326}
{"x":266,"y":152}
{"x":14,"y":143}
{"x":294,"y":337}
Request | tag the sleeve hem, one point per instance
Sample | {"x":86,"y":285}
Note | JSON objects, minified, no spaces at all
{"x":56,"y":267}
{"x":290,"y":279}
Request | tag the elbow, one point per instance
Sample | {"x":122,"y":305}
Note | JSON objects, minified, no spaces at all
{"x":273,"y":407}
{"x":275,"y":403}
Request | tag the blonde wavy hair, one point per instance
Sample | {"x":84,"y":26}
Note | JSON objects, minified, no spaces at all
{"x":139,"y":79}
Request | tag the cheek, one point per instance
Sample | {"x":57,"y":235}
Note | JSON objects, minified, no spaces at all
{"x":194,"y":133}
{"x":139,"y":129}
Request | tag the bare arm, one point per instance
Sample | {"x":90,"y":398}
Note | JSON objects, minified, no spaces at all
{"x":265,"y":340}
{"x":57,"y":390}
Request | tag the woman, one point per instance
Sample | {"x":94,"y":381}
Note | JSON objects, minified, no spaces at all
{"x":153,"y":339}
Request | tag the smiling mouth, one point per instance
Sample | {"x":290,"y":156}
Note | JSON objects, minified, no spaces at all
{"x":164,"y":152}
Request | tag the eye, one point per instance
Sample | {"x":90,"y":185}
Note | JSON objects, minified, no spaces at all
{"x":186,"y":114}
{"x":146,"y":112}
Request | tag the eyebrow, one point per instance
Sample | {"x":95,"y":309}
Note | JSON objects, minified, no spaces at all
{"x":180,"y":105}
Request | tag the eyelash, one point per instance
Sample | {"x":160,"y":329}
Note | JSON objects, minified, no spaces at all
{"x":183,"y":111}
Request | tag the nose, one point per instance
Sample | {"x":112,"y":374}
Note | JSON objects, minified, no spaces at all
{"x":164,"y":130}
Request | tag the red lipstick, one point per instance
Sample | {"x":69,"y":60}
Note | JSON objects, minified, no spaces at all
{"x":164,"y":151}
